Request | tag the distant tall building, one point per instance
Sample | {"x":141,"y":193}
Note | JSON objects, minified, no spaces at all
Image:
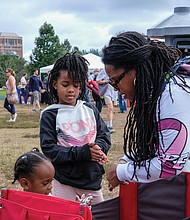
{"x":11,"y":43}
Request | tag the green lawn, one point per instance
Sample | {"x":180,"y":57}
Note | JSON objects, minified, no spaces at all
{"x":2,"y":92}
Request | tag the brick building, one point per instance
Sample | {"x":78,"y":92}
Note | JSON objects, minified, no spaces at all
{"x":11,"y":43}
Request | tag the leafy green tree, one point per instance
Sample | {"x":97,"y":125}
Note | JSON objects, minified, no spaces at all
{"x":14,"y":62}
{"x":47,"y":47}
{"x":83,"y":52}
{"x":75,"y":48}
{"x":67,"y":45}
{"x":95,"y":51}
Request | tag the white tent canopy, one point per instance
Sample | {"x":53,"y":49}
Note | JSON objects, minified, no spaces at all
{"x":94,"y":61}
{"x":45,"y":69}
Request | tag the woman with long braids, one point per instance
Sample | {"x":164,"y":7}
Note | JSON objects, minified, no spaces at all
{"x":157,"y":130}
{"x":72,"y":133}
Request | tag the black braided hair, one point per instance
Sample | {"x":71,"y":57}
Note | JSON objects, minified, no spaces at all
{"x":25,"y":165}
{"x":77,"y":68}
{"x":152,"y":61}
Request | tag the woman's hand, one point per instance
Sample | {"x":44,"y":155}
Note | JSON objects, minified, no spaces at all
{"x":42,"y":90}
{"x":111,"y":175}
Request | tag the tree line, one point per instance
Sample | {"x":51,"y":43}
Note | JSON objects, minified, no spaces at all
{"x":48,"y":48}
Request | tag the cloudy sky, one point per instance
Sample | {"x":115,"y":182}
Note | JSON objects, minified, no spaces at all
{"x":85,"y":23}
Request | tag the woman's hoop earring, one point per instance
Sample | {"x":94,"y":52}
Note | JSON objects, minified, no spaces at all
{"x":134,"y":81}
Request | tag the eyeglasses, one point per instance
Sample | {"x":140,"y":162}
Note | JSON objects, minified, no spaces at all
{"x":115,"y":83}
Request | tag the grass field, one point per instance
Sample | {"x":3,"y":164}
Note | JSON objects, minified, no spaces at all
{"x":21,"y":136}
{"x":2,"y":92}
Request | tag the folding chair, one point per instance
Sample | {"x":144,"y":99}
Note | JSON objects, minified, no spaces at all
{"x":19,"y":205}
{"x":164,"y":199}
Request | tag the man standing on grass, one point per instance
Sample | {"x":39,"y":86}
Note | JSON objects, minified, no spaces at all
{"x":23,"y":84}
{"x":35,"y":85}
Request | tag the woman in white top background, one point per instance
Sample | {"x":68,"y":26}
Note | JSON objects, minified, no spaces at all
{"x":10,"y":88}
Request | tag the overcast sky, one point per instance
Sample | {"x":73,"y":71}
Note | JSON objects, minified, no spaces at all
{"x":85,"y":23}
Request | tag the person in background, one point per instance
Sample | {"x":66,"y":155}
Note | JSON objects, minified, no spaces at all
{"x":72,"y":133}
{"x":45,"y":81}
{"x":35,"y":172}
{"x":93,"y":86}
{"x":10,"y":88}
{"x":28,"y":96}
{"x":87,"y":95}
{"x":23,"y":84}
{"x":122,"y":103}
{"x":45,"y":97}
{"x":115,"y":101}
{"x":109,"y":97}
{"x":157,"y":131}
{"x":35,"y":85}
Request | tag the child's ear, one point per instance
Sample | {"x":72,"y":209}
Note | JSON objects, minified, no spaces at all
{"x":25,"y":184}
{"x":54,"y":84}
